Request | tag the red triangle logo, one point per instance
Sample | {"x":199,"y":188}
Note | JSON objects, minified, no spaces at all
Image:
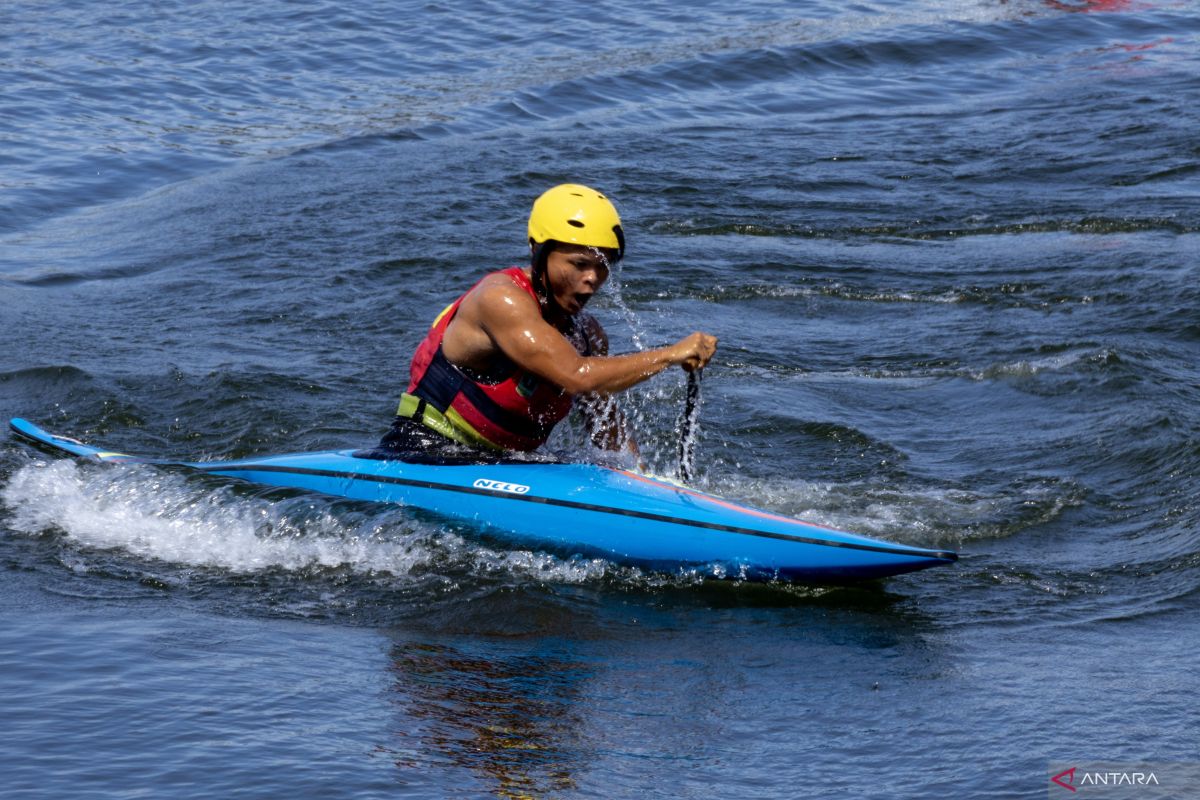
{"x":1069,"y":774}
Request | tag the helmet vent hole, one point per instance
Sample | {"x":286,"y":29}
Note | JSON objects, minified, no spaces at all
{"x":575,"y":223}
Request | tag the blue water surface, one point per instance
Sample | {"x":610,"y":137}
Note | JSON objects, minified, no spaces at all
{"x":950,"y":250}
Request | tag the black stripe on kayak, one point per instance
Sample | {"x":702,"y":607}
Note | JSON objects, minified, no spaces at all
{"x":216,"y":468}
{"x":946,"y":555}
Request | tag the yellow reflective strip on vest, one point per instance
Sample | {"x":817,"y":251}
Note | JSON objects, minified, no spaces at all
{"x":451,"y":424}
{"x":445,"y":311}
{"x":466,"y":429}
{"x":408,"y":405}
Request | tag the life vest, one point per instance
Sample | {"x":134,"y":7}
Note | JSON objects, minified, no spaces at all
{"x":506,"y":409}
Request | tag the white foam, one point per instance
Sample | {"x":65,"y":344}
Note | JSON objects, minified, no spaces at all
{"x":152,"y":514}
{"x":160,"y":515}
{"x":911,"y":515}
{"x":1059,"y":362}
{"x":1064,"y":362}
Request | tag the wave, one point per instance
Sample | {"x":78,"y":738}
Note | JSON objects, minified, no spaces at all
{"x":167,"y":517}
{"x":934,"y":231}
{"x":1061,"y":364}
{"x":30,"y":377}
{"x":1068,"y":361}
{"x":1007,"y":294}
{"x":52,"y":388}
{"x":167,"y":114}
{"x":179,"y":522}
{"x":928,"y":516}
{"x":168,"y":529}
{"x":54,"y":275}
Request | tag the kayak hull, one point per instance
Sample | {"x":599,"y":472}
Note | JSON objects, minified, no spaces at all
{"x":583,"y":509}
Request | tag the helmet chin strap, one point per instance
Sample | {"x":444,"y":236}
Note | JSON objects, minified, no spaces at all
{"x":540,"y":254}
{"x":541,"y":283}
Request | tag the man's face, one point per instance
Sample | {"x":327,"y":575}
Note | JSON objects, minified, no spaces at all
{"x":575,"y":273}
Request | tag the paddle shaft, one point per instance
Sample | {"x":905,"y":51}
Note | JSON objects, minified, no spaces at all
{"x":687,"y":428}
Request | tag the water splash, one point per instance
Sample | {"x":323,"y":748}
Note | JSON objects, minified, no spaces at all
{"x":649,"y":407}
{"x":158,"y":515}
{"x":689,"y":428}
{"x":616,"y":298}
{"x":183,"y":520}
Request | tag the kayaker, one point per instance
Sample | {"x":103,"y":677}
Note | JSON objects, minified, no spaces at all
{"x":503,"y":364}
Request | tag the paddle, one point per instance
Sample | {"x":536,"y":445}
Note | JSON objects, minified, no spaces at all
{"x":688,"y":426}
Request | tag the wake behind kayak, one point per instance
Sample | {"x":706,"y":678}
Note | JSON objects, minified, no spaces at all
{"x":584,"y":509}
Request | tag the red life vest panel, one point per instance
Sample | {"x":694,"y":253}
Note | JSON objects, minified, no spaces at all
{"x":509,"y":408}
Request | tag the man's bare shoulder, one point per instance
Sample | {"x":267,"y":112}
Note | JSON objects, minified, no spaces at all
{"x":499,"y":290}
{"x":498,"y":295}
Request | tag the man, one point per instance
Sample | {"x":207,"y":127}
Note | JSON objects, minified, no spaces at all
{"x":501,"y":365}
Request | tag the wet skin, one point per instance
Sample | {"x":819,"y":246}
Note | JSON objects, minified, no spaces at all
{"x":498,"y":317}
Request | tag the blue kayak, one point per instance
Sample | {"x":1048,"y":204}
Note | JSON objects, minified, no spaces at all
{"x":568,"y":508}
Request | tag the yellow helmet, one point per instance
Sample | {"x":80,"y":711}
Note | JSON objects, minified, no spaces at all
{"x":575,"y":214}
